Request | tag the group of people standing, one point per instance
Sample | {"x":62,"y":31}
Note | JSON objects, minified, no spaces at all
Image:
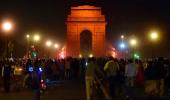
{"x":125,"y":75}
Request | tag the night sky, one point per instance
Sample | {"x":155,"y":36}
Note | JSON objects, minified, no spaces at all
{"x":129,"y":17}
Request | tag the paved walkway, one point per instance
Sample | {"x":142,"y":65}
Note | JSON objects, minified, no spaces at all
{"x":69,"y":90}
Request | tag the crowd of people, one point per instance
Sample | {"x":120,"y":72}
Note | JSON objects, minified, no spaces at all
{"x":122,"y":76}
{"x":152,"y":75}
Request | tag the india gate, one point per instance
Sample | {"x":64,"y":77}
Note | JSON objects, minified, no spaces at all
{"x":86,"y":28}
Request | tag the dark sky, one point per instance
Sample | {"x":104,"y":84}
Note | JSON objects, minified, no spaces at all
{"x":131,"y":17}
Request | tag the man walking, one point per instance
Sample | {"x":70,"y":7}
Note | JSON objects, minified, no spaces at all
{"x":111,"y":68}
{"x":130,"y":74}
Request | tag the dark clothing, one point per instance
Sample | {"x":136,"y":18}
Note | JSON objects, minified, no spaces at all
{"x":112,"y":85}
{"x":6,"y":77}
{"x":159,"y":67}
{"x":150,"y":73}
{"x":36,"y":85}
{"x":37,"y":94}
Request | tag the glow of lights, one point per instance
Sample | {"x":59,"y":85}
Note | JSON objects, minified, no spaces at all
{"x":136,"y":56}
{"x":40,"y":69}
{"x":36,"y":38}
{"x":27,"y":36}
{"x":133,"y":42}
{"x":86,"y":63}
{"x":154,"y":35}
{"x":113,"y":54}
{"x":20,"y":69}
{"x":42,"y":81}
{"x":48,"y":43}
{"x":91,"y":55}
{"x":56,"y":46}
{"x":122,"y":45}
{"x":30,"y":69}
{"x":62,"y":56}
{"x":80,"y":56}
{"x":34,"y":54}
{"x":63,"y":49}
{"x":7,"y":26}
{"x":122,"y":36}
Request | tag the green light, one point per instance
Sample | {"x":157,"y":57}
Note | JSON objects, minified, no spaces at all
{"x":136,"y":56}
{"x":34,"y":54}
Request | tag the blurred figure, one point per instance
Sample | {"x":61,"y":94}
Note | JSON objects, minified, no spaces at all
{"x":36,"y":80}
{"x":68,"y":68}
{"x":130,"y":74}
{"x":140,"y":73}
{"x":28,"y":77}
{"x":151,"y":80}
{"x":90,"y":75}
{"x":111,"y":68}
{"x":6,"y":74}
{"x":159,"y":65}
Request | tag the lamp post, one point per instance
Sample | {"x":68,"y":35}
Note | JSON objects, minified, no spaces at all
{"x":28,"y":43}
{"x":36,"y":39}
{"x":122,"y":45}
{"x":7,"y":26}
{"x":153,"y":36}
{"x":56,"y":46}
{"x":122,"y":37}
{"x":133,"y":43}
{"x":48,"y":44}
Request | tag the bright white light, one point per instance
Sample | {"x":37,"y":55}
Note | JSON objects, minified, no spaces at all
{"x":56,"y":46}
{"x":36,"y":37}
{"x":80,"y":56}
{"x":91,"y":55}
{"x":122,"y":36}
{"x":40,"y":69}
{"x":122,"y":45}
{"x":154,"y":35}
{"x":28,"y":36}
{"x":133,"y":42}
{"x":48,"y":43}
{"x":7,"y":26}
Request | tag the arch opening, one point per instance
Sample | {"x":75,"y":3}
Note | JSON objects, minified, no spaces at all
{"x":85,"y":43}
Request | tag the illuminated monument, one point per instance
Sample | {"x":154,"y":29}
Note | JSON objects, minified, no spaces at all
{"x":86,"y":32}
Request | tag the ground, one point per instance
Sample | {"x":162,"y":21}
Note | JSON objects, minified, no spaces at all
{"x":67,"y":90}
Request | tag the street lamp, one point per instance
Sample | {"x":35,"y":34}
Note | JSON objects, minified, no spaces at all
{"x":36,"y":38}
{"x":28,"y":37}
{"x":133,"y":43}
{"x":122,"y":37}
{"x":48,"y":44}
{"x":122,"y":45}
{"x":56,"y":46}
{"x":153,"y":36}
{"x":7,"y":26}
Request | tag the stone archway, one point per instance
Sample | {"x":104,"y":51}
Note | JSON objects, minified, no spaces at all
{"x":85,"y":18}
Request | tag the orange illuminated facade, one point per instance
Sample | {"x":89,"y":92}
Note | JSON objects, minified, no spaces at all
{"x":86,"y":18}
